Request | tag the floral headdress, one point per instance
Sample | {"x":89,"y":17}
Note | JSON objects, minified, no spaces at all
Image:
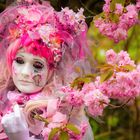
{"x":56,"y":30}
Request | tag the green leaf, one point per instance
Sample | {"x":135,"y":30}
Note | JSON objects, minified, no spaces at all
{"x":94,"y":125}
{"x":112,"y":5}
{"x":102,"y":66}
{"x":92,"y":76}
{"x":80,"y":81}
{"x":64,"y":136}
{"x":106,"y":76}
{"x":73,"y":128}
{"x":114,"y":17}
{"x":128,"y":67}
{"x":106,"y":67}
{"x":53,"y":132}
{"x":86,"y":80}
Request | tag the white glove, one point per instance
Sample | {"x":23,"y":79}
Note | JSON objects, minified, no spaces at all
{"x":15,"y":125}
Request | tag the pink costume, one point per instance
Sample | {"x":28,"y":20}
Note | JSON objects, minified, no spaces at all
{"x":60,"y":37}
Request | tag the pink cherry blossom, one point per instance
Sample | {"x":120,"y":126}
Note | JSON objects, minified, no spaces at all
{"x":117,"y":30}
{"x":119,"y":9}
{"x":121,"y":59}
{"x":119,"y":34}
{"x":124,"y":59}
{"x":111,"y":57}
{"x":107,"y":1}
{"x":88,"y":87}
{"x":106,"y":8}
{"x":75,"y":98}
{"x":122,"y":85}
{"x":96,"y":102}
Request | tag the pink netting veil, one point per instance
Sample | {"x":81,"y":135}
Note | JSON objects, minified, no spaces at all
{"x":37,"y":24}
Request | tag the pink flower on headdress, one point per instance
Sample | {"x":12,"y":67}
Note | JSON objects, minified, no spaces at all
{"x":27,"y":19}
{"x":14,"y":31}
{"x":31,"y":14}
{"x":55,"y":39}
{"x":45,"y":31}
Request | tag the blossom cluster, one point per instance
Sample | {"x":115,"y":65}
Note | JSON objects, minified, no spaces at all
{"x":123,"y":84}
{"x":120,"y":59}
{"x":82,"y":128}
{"x":116,"y":22}
{"x":90,"y":97}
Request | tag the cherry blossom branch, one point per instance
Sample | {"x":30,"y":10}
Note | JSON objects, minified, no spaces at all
{"x":87,"y":8}
{"x":117,"y":106}
{"x":69,"y":116}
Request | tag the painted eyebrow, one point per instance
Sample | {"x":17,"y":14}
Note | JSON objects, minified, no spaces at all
{"x":41,"y":61}
{"x":19,"y":55}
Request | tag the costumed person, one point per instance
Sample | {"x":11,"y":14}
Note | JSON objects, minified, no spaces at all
{"x":39,"y":51}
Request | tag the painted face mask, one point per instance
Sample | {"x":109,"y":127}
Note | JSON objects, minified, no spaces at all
{"x":29,"y":72}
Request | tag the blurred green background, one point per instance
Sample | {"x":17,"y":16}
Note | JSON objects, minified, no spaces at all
{"x":116,"y":124}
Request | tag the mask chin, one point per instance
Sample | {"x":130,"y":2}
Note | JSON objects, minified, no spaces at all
{"x":28,"y":90}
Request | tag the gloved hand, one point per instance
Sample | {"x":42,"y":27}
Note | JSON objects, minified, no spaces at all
{"x":15,"y":125}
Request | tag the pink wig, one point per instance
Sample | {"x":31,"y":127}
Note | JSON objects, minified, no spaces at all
{"x":35,"y":47}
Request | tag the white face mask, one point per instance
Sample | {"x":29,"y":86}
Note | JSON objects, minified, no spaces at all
{"x":29,"y":72}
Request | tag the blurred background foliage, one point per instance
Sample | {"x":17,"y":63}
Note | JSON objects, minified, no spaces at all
{"x":116,"y":124}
